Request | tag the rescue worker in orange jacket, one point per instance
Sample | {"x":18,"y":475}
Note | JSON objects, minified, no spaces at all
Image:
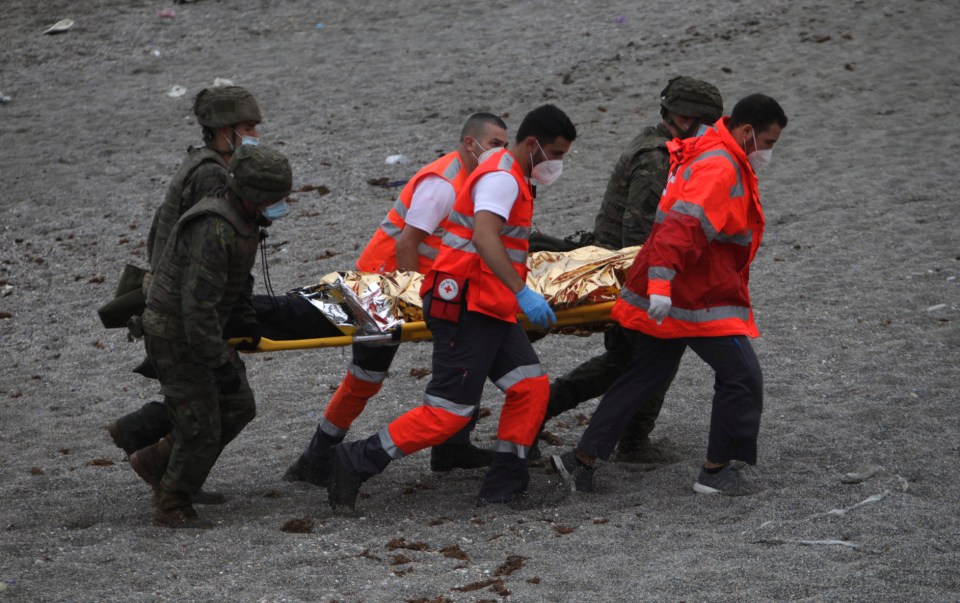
{"x":408,"y":239}
{"x":471,"y":299}
{"x":687,"y":287}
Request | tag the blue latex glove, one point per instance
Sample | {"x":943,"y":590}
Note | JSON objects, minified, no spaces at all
{"x":659,"y":307}
{"x":536,"y":308}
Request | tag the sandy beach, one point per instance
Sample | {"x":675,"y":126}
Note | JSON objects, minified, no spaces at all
{"x":855,"y":289}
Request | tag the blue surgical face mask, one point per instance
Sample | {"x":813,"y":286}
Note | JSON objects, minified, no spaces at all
{"x":276,"y":211}
{"x":250,"y":140}
{"x":703,"y":129}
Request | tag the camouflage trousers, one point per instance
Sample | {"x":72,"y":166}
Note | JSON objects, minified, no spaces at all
{"x":594,"y":377}
{"x":204,"y":420}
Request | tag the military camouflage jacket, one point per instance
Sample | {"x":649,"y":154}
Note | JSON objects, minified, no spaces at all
{"x":201,"y":174}
{"x":202,"y":279}
{"x":633,"y":191}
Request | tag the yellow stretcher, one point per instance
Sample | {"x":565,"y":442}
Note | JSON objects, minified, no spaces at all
{"x":577,"y":316}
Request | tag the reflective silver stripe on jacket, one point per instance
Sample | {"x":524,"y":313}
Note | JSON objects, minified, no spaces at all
{"x":511,"y":448}
{"x":686,"y":208}
{"x":737,"y":190}
{"x":386,"y":442}
{"x":427,"y":251}
{"x":451,"y":171}
{"x":693,"y":210}
{"x":694,"y":316}
{"x":660,"y":273}
{"x":365,"y":375}
{"x":392,"y":230}
{"x":330,"y":429}
{"x":517,"y":256}
{"x":517,"y":375}
{"x":461,"y":410}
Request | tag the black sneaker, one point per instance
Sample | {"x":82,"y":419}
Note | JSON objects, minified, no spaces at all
{"x":344,"y":484}
{"x":727,"y":481}
{"x":304,"y":471}
{"x":447,"y":457}
{"x":570,"y":468}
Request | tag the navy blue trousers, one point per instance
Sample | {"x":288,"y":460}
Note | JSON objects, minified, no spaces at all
{"x":737,"y":398}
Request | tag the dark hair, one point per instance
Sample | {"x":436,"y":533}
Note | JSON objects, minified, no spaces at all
{"x":546,"y":122}
{"x":758,"y":110}
{"x":474,"y":125}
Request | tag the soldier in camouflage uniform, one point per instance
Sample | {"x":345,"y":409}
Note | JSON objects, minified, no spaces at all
{"x":201,"y":281}
{"x":229,"y":116}
{"x":625,"y":219}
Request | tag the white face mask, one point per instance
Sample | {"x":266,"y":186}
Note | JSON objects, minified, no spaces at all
{"x":759,"y":158}
{"x":487,"y":153}
{"x":546,"y":172}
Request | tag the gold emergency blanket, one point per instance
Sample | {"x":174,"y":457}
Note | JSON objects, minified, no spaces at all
{"x":589,"y":275}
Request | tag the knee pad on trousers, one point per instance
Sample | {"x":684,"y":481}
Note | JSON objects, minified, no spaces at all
{"x":523,"y":410}
{"x":349,"y":400}
{"x":424,"y":426}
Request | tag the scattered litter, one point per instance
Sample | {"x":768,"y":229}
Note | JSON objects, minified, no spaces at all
{"x":221,"y":81}
{"x":621,"y":20}
{"x":397,"y":160}
{"x":176,"y":91}
{"x":167,"y":13}
{"x":936,"y":307}
{"x":842,"y":512}
{"x":155,"y":52}
{"x":60,"y":26}
{"x":318,"y":26}
{"x":4,"y":99}
{"x":863,"y":474}
{"x":902,"y":484}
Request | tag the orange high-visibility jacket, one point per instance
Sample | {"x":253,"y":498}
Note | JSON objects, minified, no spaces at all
{"x":380,"y":254}
{"x":708,"y":227}
{"x":485,"y":292}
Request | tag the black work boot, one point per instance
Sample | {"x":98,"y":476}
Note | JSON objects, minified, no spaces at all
{"x":456,"y":455}
{"x":174,"y":510}
{"x":344,"y":483}
{"x":313,"y":466}
{"x":506,"y":481}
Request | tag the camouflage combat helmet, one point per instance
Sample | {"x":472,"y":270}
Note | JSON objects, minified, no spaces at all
{"x":224,"y":106}
{"x":260,"y":174}
{"x":696,"y":98}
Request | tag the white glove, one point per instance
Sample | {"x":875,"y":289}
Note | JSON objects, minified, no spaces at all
{"x":659,"y":307}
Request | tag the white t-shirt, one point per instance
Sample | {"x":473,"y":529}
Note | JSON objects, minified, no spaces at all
{"x":431,"y":203}
{"x":495,"y":192}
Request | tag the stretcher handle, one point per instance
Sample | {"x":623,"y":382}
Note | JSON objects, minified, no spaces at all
{"x":418,"y":331}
